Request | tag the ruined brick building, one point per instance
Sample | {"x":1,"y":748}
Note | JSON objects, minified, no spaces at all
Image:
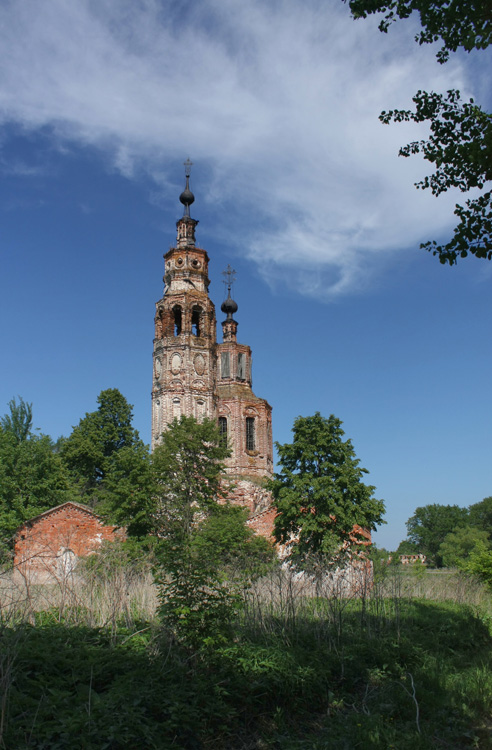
{"x":194,"y":375}
{"x":48,"y":546}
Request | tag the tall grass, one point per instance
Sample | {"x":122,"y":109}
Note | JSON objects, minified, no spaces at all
{"x":107,"y":598}
{"x":116,"y":591}
{"x":283,"y":595}
{"x":405,"y":665}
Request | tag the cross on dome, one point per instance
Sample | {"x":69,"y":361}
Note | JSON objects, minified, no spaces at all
{"x":187,"y":197}
{"x":229,"y":306}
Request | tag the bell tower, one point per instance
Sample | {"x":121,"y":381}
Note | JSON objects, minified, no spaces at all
{"x":185,"y":330}
{"x":196,"y":376}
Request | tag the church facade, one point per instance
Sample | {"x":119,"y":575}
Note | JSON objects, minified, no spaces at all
{"x":194,"y":375}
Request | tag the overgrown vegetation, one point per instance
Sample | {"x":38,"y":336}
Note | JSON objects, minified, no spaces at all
{"x":195,"y":637}
{"x":302,"y":667}
{"x":103,"y":464}
{"x":33,"y":477}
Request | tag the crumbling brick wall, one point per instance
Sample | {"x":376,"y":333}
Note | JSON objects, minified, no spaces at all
{"x":48,"y":546}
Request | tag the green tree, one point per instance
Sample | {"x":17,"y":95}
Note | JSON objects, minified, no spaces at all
{"x":187,"y":466}
{"x":128,"y":490}
{"x":196,"y":602}
{"x":459,"y":24}
{"x":319,"y":493}
{"x":460,"y":544}
{"x":480,"y":514}
{"x":460,"y":145}
{"x":430,"y":524}
{"x":225,"y":540}
{"x":479,"y":562}
{"x":32,"y":477}
{"x":32,"y":480}
{"x":107,"y":459}
{"x":19,"y":422}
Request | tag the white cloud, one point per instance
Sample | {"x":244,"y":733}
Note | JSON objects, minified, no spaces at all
{"x":280,"y":98}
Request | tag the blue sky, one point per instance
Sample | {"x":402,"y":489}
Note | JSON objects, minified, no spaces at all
{"x":297,"y":185}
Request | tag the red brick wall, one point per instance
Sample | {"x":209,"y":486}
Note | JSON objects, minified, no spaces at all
{"x":49,"y":545}
{"x":262,"y":523}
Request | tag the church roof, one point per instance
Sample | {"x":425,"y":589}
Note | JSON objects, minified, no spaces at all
{"x":78,"y":506}
{"x":238,"y":390}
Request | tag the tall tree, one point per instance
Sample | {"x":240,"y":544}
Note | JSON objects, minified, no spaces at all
{"x":460,"y":145}
{"x":480,"y":515}
{"x":458,"y":24}
{"x":459,"y":545}
{"x":19,"y":421}
{"x":197,"y":600}
{"x":187,"y":466}
{"x":32,"y":480}
{"x":319,"y":493}
{"x":127,"y":495}
{"x":429,"y":526}
{"x":91,"y":451}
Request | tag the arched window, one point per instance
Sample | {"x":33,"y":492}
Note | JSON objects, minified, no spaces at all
{"x":196,"y":321}
{"x":177,"y":319}
{"x":176,"y":408}
{"x":250,"y":434}
{"x":199,"y":410}
{"x":223,"y":429}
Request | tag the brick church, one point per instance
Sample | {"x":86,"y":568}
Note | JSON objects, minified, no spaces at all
{"x":194,"y":375}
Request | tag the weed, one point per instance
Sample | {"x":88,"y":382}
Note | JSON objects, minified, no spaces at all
{"x":303,"y":666}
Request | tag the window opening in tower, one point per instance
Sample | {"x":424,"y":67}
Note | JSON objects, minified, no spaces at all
{"x":241,"y":366}
{"x":195,"y":321}
{"x":176,"y":408}
{"x":223,"y":430}
{"x":177,"y":320}
{"x":200,"y":410}
{"x":250,"y":433}
{"x":225,"y":367}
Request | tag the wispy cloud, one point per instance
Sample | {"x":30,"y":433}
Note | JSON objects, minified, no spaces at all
{"x":18,"y":168}
{"x":280,"y":98}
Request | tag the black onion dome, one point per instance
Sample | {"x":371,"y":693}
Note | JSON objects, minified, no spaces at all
{"x":229,"y":306}
{"x":187,"y":197}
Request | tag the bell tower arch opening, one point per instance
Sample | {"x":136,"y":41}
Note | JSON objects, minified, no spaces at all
{"x":196,"y":321}
{"x":178,"y":320}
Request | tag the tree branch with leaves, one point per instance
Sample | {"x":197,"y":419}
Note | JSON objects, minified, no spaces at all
{"x":460,"y":144}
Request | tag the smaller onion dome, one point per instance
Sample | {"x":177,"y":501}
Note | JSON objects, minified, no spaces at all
{"x":229,"y":306}
{"x":187,"y":197}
